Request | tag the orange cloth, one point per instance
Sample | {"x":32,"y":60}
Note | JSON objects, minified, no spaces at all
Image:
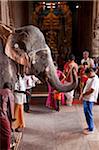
{"x":19,"y":116}
{"x":57,"y":96}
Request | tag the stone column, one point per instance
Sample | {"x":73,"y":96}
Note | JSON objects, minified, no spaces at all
{"x":95,"y":38}
{"x":5,"y":12}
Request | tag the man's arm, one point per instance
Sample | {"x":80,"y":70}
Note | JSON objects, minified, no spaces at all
{"x":11,"y":107}
{"x":91,"y":63}
{"x":86,"y":93}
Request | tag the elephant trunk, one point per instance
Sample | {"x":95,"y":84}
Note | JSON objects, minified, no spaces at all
{"x":55,"y":82}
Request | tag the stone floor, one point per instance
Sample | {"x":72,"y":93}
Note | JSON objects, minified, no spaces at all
{"x":50,"y":130}
{"x":16,"y":141}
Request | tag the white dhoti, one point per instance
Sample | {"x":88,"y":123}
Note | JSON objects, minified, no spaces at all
{"x":69,"y":96}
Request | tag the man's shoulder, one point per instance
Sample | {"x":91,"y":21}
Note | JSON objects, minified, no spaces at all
{"x":74,"y":64}
{"x":97,"y":78}
{"x":82,"y":60}
{"x":91,"y":59}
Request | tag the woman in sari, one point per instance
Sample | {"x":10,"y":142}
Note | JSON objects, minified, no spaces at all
{"x":51,"y":102}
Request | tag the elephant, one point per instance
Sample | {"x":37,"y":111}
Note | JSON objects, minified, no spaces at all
{"x":26,"y":46}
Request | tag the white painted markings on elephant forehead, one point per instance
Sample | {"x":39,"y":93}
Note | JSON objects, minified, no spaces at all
{"x":10,"y":69}
{"x":32,"y":54}
{"x":47,"y":69}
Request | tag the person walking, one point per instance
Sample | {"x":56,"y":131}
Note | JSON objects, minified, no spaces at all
{"x":89,"y":96}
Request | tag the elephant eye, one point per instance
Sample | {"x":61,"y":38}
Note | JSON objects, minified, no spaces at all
{"x":22,"y":45}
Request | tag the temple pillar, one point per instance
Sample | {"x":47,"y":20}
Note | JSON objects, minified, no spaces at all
{"x":95,"y":37}
{"x":5,"y":12}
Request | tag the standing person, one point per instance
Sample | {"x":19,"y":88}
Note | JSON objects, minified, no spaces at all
{"x":82,"y":76}
{"x":57,"y":96}
{"x":53,"y":96}
{"x":89,"y":96}
{"x":20,"y":99}
{"x":67,"y":71}
{"x":6,"y":115}
{"x":30,"y":81}
{"x":86,"y":58}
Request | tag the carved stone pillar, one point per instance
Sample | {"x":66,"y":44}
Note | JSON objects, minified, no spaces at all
{"x":95,"y":40}
{"x":5,"y":12}
{"x":67,"y":26}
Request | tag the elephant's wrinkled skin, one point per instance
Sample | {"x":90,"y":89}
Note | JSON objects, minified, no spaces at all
{"x":27,"y":46}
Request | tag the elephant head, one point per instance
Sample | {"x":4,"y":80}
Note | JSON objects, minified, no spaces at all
{"x":27,"y":46}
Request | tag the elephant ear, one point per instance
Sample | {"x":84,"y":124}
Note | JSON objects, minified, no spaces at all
{"x":13,"y":51}
{"x":5,"y":31}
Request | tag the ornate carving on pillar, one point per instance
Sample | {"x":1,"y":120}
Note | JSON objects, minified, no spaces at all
{"x":51,"y":26}
{"x":95,"y":37}
{"x":67,"y":15}
{"x":55,"y":21}
{"x":36,"y":13}
{"x":95,"y":52}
